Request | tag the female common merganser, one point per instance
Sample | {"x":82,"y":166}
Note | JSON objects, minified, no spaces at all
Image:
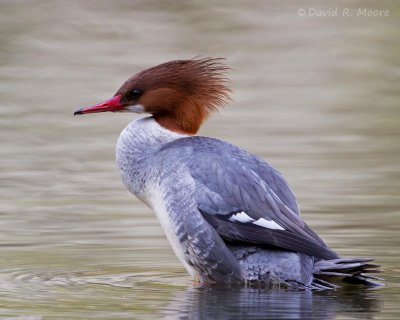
{"x":229,"y":216}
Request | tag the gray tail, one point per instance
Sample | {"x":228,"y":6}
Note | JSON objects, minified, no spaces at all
{"x":329,"y":273}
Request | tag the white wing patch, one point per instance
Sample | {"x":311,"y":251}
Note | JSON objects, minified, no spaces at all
{"x":241,"y":217}
{"x":269,"y":224}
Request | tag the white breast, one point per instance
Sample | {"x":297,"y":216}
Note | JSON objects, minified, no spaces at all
{"x":156,"y":200}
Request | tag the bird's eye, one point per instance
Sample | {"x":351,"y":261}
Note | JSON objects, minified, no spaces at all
{"x":135,"y":93}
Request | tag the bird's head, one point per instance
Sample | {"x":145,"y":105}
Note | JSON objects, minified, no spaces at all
{"x":179,"y":94}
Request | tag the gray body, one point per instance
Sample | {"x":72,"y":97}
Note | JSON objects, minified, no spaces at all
{"x":229,"y":216}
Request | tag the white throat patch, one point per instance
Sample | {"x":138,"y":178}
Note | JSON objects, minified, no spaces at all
{"x":137,"y":108}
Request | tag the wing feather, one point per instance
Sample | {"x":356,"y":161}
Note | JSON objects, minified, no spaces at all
{"x":231,"y":187}
{"x":229,"y":180}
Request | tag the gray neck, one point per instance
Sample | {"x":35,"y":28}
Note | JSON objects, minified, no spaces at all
{"x":135,"y":150}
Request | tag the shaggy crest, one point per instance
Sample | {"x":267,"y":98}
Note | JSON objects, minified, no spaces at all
{"x":180,"y":94}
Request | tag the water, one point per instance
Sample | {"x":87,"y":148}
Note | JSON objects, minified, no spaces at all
{"x":316,"y":96}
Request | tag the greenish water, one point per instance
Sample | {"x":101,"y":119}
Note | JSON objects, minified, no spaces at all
{"x":318,"y":97}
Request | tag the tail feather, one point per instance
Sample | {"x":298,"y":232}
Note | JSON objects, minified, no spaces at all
{"x":335,"y":274}
{"x":346,"y":270}
{"x":320,"y":284}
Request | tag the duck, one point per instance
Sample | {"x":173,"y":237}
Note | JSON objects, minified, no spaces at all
{"x":230,"y":217}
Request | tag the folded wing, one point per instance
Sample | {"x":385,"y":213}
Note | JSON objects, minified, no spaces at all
{"x":243,"y":207}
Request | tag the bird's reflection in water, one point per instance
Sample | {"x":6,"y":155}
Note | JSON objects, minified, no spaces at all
{"x":250,"y":303}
